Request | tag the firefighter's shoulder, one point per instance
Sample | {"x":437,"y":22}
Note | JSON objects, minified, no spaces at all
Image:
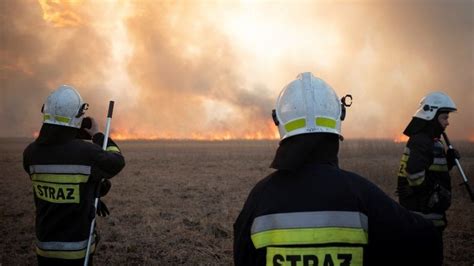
{"x":85,"y":146}
{"x":420,"y":140}
{"x":361,"y":186}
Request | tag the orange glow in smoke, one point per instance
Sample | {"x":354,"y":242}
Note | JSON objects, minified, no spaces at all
{"x":400,"y":139}
{"x":471,"y":138}
{"x":61,"y":13}
{"x":35,"y":134}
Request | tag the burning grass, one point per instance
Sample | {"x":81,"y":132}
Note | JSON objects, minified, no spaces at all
{"x":176,"y":201}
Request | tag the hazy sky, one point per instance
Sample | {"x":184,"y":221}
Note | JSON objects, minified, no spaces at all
{"x":213,"y":69}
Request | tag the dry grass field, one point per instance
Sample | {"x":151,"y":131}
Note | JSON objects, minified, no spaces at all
{"x":175,"y":201}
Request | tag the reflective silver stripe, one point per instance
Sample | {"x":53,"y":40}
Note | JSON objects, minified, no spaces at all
{"x":417,"y":175}
{"x":439,"y":144}
{"x":69,"y":246}
{"x":310,"y":220}
{"x":60,"y":169}
{"x":441,"y":161}
{"x":430,"y":216}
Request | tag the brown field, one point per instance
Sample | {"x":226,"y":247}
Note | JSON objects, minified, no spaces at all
{"x":175,"y":201}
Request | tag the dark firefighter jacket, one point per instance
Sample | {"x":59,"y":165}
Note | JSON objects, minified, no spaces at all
{"x":424,"y":184}
{"x":319,"y":214}
{"x":65,"y":175}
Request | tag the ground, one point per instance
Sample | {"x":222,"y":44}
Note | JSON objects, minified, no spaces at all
{"x":175,"y":201}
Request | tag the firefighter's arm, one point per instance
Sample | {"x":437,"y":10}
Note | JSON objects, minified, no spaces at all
{"x":244,"y":250}
{"x":420,"y":158}
{"x":26,"y":159}
{"x":451,"y":156}
{"x":109,"y":161}
{"x":396,"y":233}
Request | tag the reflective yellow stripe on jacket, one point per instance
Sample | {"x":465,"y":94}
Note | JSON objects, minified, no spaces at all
{"x":112,"y":149}
{"x":308,"y":228}
{"x":414,"y":179}
{"x":59,"y":183}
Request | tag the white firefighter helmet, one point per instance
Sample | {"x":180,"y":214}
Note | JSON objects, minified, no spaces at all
{"x":308,"y":105}
{"x":432,"y":103}
{"x":64,"y":107}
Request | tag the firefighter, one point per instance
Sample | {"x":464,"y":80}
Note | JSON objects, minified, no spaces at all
{"x":65,"y":172}
{"x":311,"y":212}
{"x":424,"y":183}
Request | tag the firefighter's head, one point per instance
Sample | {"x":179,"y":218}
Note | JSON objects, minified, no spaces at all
{"x":64,"y":107}
{"x":434,"y":104}
{"x":309,"y":105}
{"x":432,"y":114}
{"x":435,"y":108}
{"x":308,"y":114}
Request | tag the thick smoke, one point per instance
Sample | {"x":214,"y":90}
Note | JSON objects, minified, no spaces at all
{"x":37,"y":56}
{"x":214,"y":69}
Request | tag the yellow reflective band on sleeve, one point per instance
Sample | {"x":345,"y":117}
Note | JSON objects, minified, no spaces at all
{"x":60,"y":178}
{"x":309,"y":236}
{"x":112,"y":149}
{"x":315,"y":256}
{"x":403,"y":167}
{"x":295,"y":124}
{"x":57,"y":193}
{"x":416,"y":179}
{"x":405,"y":158}
{"x":438,"y":168}
{"x":325,"y":122}
{"x":65,"y":254}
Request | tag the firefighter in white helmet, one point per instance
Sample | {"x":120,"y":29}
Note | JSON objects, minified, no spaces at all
{"x":65,"y":172}
{"x":424,"y":183}
{"x":311,"y":212}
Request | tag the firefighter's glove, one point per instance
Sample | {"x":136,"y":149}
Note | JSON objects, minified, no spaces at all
{"x":105,"y":186}
{"x":102,"y":209}
{"x":440,"y":199}
{"x":451,"y":155}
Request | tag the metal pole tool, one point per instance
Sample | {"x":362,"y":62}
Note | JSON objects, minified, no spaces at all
{"x":96,"y":201}
{"x":465,"y":180}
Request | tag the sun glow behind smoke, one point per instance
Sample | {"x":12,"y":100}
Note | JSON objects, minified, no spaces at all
{"x":213,"y":69}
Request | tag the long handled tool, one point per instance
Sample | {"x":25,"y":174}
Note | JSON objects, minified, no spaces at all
{"x":465,"y":180}
{"x":96,"y":201}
